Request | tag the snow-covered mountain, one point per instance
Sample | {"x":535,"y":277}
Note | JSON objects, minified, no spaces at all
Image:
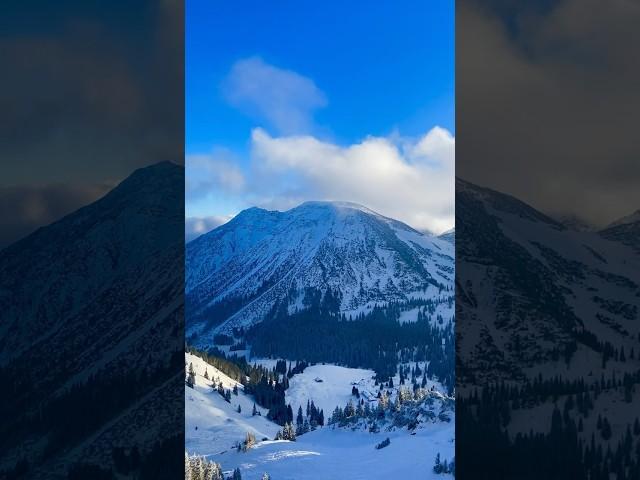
{"x":626,"y":231}
{"x":543,"y":286}
{"x":236,"y":273}
{"x":546,"y":315}
{"x":628,"y":219}
{"x":88,"y":304}
{"x":449,"y":235}
{"x":213,"y":425}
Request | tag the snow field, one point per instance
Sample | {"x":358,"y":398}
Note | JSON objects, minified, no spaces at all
{"x":325,"y":453}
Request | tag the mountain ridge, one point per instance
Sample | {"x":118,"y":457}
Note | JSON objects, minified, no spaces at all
{"x":538,"y":268}
{"x":89,"y":303}
{"x":260,"y":255}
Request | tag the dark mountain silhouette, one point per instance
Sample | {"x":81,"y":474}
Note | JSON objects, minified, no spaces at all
{"x":92,"y":329}
{"x":548,"y":343}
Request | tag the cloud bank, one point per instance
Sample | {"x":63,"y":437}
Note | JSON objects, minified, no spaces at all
{"x":408,"y":179}
{"x":547,"y":103}
{"x":24,"y":208}
{"x":208,"y":173}
{"x":411,"y":180}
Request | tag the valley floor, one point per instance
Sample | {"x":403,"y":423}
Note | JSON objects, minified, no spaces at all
{"x":329,"y":453}
{"x":213,"y":426}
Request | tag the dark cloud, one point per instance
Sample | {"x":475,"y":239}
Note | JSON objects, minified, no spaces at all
{"x":547,"y":103}
{"x":90,"y":91}
{"x":25,"y":208}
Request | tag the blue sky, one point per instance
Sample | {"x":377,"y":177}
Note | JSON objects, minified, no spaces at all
{"x":261,"y":75}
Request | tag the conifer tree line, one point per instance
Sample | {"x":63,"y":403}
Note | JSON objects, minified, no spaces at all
{"x":235,"y":369}
{"x":385,"y":443}
{"x":401,"y":411}
{"x":66,"y":418}
{"x":565,"y":449}
{"x":309,"y":421}
{"x":443,"y":466}
{"x":266,"y":385}
{"x":159,"y":462}
{"x":197,"y":467}
{"x":375,"y":340}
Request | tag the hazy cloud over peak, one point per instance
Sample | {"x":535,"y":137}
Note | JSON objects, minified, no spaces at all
{"x":24,"y":208}
{"x":91,"y":91}
{"x":283,"y":98}
{"x":408,"y":179}
{"x":212,"y":172}
{"x":196,"y":226}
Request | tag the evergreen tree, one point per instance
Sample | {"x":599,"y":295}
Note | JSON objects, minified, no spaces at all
{"x":299,"y":418}
{"x":191,"y":376}
{"x":437,"y":467}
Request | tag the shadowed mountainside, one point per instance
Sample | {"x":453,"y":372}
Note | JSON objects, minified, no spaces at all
{"x":92,"y":331}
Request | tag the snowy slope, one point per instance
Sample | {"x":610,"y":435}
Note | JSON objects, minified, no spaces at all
{"x":541,"y":284}
{"x":449,"y":235}
{"x":333,"y":391}
{"x":86,"y":301}
{"x":335,"y":388}
{"x":219,"y":425}
{"x":529,"y":288}
{"x":237,"y":272}
{"x":631,"y":218}
{"x":326,"y":453}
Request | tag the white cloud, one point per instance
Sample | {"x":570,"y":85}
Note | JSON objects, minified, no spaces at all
{"x":210,"y":173}
{"x":408,"y":179}
{"x":411,"y":179}
{"x":196,"y":226}
{"x":284,"y":99}
{"x":437,"y":146}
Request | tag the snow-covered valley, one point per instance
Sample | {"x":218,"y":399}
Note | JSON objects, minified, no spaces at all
{"x":214,"y":427}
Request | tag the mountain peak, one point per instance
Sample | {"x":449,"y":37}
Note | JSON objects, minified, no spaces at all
{"x":332,"y":203}
{"x":503,"y":202}
{"x":161,"y":172}
{"x":449,"y":235}
{"x":310,"y":208}
{"x":632,"y":218}
{"x":340,"y":206}
{"x":262,"y":257}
